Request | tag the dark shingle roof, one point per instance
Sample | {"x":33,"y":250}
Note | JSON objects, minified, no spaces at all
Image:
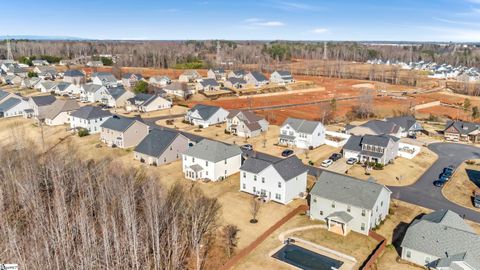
{"x":73,"y":73}
{"x":301,"y":125}
{"x":91,"y":112}
{"x":209,"y":82}
{"x":380,"y":127}
{"x":9,"y":103}
{"x":463,"y":127}
{"x":156,"y":142}
{"x":116,"y":92}
{"x":213,"y":151}
{"x":348,"y":190}
{"x":205,"y":111}
{"x":43,"y":100}
{"x":406,"y":122}
{"x":118,"y":123}
{"x":235,"y":80}
{"x":3,"y":94}
{"x":128,"y":75}
{"x":288,"y":168}
{"x":259,"y":76}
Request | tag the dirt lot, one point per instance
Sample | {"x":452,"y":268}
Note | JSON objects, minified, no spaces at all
{"x":403,"y":172}
{"x":460,"y":188}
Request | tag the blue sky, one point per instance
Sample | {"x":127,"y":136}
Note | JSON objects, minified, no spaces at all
{"x":412,"y":20}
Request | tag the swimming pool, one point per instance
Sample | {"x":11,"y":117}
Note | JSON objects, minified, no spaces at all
{"x":306,"y":259}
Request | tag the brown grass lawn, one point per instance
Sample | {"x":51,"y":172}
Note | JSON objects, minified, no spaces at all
{"x":407,"y":170}
{"x":460,"y":188}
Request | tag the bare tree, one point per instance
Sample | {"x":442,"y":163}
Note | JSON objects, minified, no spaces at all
{"x":254,"y":209}
{"x":230,"y":238}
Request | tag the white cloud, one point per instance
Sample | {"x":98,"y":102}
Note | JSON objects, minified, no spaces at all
{"x":320,"y":30}
{"x":269,"y":23}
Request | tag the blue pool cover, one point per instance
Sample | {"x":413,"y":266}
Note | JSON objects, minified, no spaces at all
{"x":306,"y":259}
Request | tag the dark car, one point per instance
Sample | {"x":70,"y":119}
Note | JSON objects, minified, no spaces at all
{"x":335,"y":156}
{"x":287,"y":153}
{"x":438,"y":183}
{"x":448,"y":171}
{"x":444,"y":178}
{"x":247,"y":147}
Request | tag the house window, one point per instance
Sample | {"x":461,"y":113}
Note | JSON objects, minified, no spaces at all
{"x":185,"y":158}
{"x":409,"y":254}
{"x":254,"y":178}
{"x":333,"y":204}
{"x":381,"y":203}
{"x":321,"y":213}
{"x":225,"y":172}
{"x":244,"y":175}
{"x":362,"y":227}
{"x":164,"y":159}
{"x":206,"y":163}
{"x":278,"y":196}
{"x":376,"y":209}
{"x":263,"y":179}
{"x":193,"y":159}
{"x":225,"y":161}
{"x":314,"y":200}
{"x":279,"y":184}
{"x":363,"y":212}
{"x":170,"y":148}
{"x":254,"y":190}
{"x":348,"y":208}
{"x":244,"y":186}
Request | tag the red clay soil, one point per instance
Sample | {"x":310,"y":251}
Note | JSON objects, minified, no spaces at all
{"x":448,"y":112}
{"x":146,"y":72}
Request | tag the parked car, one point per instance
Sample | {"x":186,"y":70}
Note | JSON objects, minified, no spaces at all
{"x":335,"y":156}
{"x":439,"y":183}
{"x":448,"y":171}
{"x":352,"y":161}
{"x":287,"y":153}
{"x":412,"y":136}
{"x":444,"y":178}
{"x":326,"y":163}
{"x":247,"y":147}
{"x":476,"y":199}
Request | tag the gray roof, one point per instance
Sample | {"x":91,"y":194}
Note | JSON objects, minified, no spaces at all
{"x":347,"y":190}
{"x":9,"y":103}
{"x":288,"y":168}
{"x":91,"y":88}
{"x":3,"y":94}
{"x":354,"y":143}
{"x":406,"y":122}
{"x":239,"y":72}
{"x":205,"y":111}
{"x":463,"y":127}
{"x":59,"y":106}
{"x":301,"y":125}
{"x":444,"y":234}
{"x":61,"y":86}
{"x":116,"y":92}
{"x":140,"y":98}
{"x":118,"y":123}
{"x":378,"y":140}
{"x":209,"y":82}
{"x":105,"y":76}
{"x":235,"y":80}
{"x":213,"y":151}
{"x":73,"y":73}
{"x":340,"y":216}
{"x":286,"y":75}
{"x":43,"y":100}
{"x":128,"y":75}
{"x":258,"y":76}
{"x":156,"y":142}
{"x":218,"y":70}
{"x":90,"y":112}
{"x":380,"y":127}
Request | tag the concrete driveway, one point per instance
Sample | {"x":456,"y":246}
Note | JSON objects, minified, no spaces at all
{"x":425,"y":194}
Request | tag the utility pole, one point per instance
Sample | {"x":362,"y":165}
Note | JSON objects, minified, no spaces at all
{"x":325,"y":51}
{"x":9,"y":50}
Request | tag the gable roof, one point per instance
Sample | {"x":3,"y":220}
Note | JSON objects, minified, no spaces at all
{"x":175,"y":86}
{"x":118,"y":123}
{"x":128,"y":75}
{"x":209,"y":82}
{"x":380,"y":127}
{"x":258,"y":76}
{"x":406,"y":122}
{"x":218,"y":70}
{"x":73,"y":73}
{"x":239,"y":72}
{"x":157,"y":141}
{"x":91,"y":88}
{"x":286,"y":75}
{"x":378,"y":140}
{"x":43,"y":100}
{"x":444,"y":234}
{"x":116,"y":92}
{"x":59,"y":106}
{"x":105,"y":76}
{"x":61,"y":86}
{"x":463,"y":127}
{"x":9,"y":103}
{"x":90,"y":112}
{"x":235,"y":80}
{"x":347,"y":190}
{"x":191,"y":73}
{"x":213,"y":151}
{"x":288,"y":168}
{"x":3,"y":94}
{"x":205,"y":111}
{"x":301,"y":125}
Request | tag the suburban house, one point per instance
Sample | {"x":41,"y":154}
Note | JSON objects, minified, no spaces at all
{"x":206,"y":115}
{"x":129,"y":80}
{"x":346,"y":203}
{"x":381,"y":149}
{"x":410,"y":126}
{"x":281,"y":77}
{"x":94,"y":64}
{"x":66,"y":62}
{"x":239,"y":74}
{"x":280,"y":181}
{"x":189,"y":76}
{"x":160,"y":147}
{"x":160,"y":80}
{"x":375,"y":127}
{"x":123,"y":132}
{"x":74,"y":76}
{"x":46,"y":72}
{"x":178,"y":89}
{"x":40,"y":62}
{"x":115,"y":97}
{"x":91,"y":92}
{"x":104,"y":78}
{"x":217,"y":74}
{"x":47,"y":86}
{"x":207,"y":85}
{"x":39,"y":104}
{"x":462,"y":131}
{"x":236,"y":83}
{"x":147,"y":103}
{"x":245,"y":123}
{"x":11,"y":79}
{"x":58,"y":113}
{"x":65,"y":88}
{"x":442,"y":240}
{"x":302,"y":133}
{"x":89,"y":118}
{"x":4,"y":95}
{"x":13,"y":106}
{"x":31,"y":83}
{"x":211,"y":160}
{"x":256,"y":78}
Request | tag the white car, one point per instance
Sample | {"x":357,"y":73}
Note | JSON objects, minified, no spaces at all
{"x":326,"y":163}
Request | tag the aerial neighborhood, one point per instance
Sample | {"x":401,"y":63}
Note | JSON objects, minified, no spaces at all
{"x":351,"y":181}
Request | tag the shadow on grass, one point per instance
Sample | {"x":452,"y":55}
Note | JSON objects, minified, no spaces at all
{"x":474,"y":176}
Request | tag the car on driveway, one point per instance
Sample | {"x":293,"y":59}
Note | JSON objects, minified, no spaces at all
{"x":448,"y":171}
{"x":287,"y":153}
{"x":247,"y":147}
{"x":335,"y":156}
{"x":439,"y":183}
{"x":326,"y":163}
{"x":352,"y":161}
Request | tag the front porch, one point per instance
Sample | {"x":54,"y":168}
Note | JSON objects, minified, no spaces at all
{"x":194,"y":172}
{"x":337,"y":222}
{"x":286,"y":140}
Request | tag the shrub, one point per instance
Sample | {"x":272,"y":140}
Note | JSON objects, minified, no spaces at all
{"x":83,"y":132}
{"x":378,"y":166}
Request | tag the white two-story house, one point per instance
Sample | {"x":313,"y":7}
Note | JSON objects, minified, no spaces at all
{"x":206,"y":115}
{"x":280,"y":181}
{"x":302,"y":133}
{"x":346,"y":203}
{"x":89,"y":118}
{"x":211,"y":160}
{"x":92,"y":92}
{"x":245,"y":124}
